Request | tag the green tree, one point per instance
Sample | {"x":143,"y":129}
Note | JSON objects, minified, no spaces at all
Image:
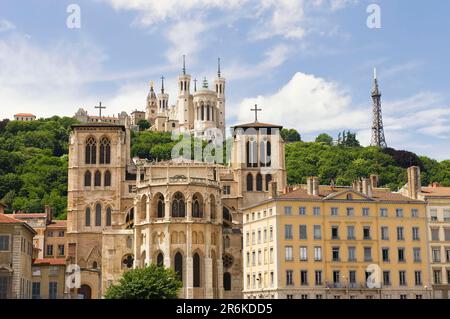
{"x":143,"y":125}
{"x":290,"y":135}
{"x":324,"y":138}
{"x":152,"y":282}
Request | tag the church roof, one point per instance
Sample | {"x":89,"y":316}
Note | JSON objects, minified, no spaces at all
{"x":99,"y":124}
{"x":258,"y":125}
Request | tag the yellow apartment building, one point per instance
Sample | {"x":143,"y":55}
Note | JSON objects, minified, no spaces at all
{"x":336,"y":243}
{"x":48,"y":280}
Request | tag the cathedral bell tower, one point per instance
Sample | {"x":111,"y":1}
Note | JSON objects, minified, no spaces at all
{"x":163,"y":99}
{"x":184,"y":105}
{"x":220,"y":91}
{"x":152,"y":105}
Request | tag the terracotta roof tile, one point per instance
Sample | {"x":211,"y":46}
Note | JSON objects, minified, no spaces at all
{"x":8,"y":219}
{"x":29,"y":215}
{"x":435,"y":191}
{"x":24,"y":114}
{"x":50,"y":261}
{"x":58,"y":224}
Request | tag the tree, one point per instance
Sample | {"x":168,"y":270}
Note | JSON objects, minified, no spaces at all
{"x":325,"y":139}
{"x":290,"y":135}
{"x":152,"y":282}
{"x":143,"y":125}
{"x":348,"y":139}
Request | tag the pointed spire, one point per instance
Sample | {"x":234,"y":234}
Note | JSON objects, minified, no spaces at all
{"x":218,"y":67}
{"x":205,"y":83}
{"x":152,"y":91}
{"x":184,"y":64}
{"x":162,"y":84}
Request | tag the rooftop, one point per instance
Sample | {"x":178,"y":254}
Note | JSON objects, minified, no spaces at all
{"x":24,"y":114}
{"x":50,"y":261}
{"x":435,"y":191}
{"x":258,"y":125}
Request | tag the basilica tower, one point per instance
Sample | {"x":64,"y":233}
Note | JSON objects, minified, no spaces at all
{"x":184,"y":103}
{"x":152,"y":105}
{"x":220,"y":91}
{"x":163,"y":99}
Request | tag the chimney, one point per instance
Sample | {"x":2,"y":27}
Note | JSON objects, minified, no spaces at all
{"x":367,"y":187}
{"x":273,"y":192}
{"x":374,"y":180}
{"x":312,"y":185}
{"x":413,"y":181}
{"x":49,"y":213}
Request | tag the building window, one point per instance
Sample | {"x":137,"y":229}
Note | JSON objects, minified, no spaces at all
{"x":303,"y":253}
{"x":36,"y":290}
{"x":335,"y":232}
{"x":335,"y":254}
{"x":289,"y":278}
{"x":386,"y":278}
{"x":437,"y":277}
{"x":383,"y":212}
{"x":435,"y":234}
{"x":97,"y":179}
{"x":436,"y":254}
{"x":418,"y":278}
{"x":416,"y":254}
{"x":49,"y":250}
{"x":385,"y":254}
{"x":268,"y":180}
{"x":402,"y":277}
{"x":304,"y":277}
{"x":4,"y":243}
{"x":317,"y":232}
{"x":415,"y":233}
{"x":87,"y":217}
{"x":227,"y":281}
{"x":401,"y":255}
{"x":318,"y":277}
{"x":259,"y":183}
{"x":107,"y":179}
{"x":61,"y":233}
{"x":105,"y":151}
{"x":365,"y":211}
{"x":52,"y":290}
{"x":447,"y":234}
{"x":197,"y":206}
{"x":288,"y":232}
{"x":196,"y":266}
{"x":336,"y":277}
{"x":302,"y":232}
{"x":316,"y":211}
{"x":352,"y":278}
{"x":178,"y":205}
{"x":367,"y":254}
{"x":350,"y":211}
{"x":350,"y":232}
{"x":414,"y":212}
{"x":98,"y":215}
{"x":87,"y":178}
{"x":288,"y":210}
{"x":400,"y":235}
{"x":271,"y":233}
{"x":302,"y":211}
{"x":334,"y":211}
{"x":399,"y":212}
{"x":366,"y":233}
{"x":288,"y":253}
{"x":249,"y":182}
{"x":433,"y":215}
{"x":317,"y":253}
{"x":90,"y":151}
{"x":384,"y":233}
{"x":227,"y":190}
{"x":351,"y":253}
{"x":447,"y":256}
{"x":108,"y":216}
{"x":60,"y":250}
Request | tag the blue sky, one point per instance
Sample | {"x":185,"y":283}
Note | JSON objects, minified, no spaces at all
{"x":308,"y":64}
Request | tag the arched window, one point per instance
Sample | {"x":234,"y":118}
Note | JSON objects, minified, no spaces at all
{"x":268,"y":180}
{"x":87,"y":217}
{"x":203,"y":112}
{"x":160,"y":206}
{"x":212,"y":206}
{"x":98,"y":215}
{"x":178,"y":206}
{"x":105,"y":151}
{"x":208,"y":108}
{"x":94,"y":265}
{"x":226,"y":242}
{"x":197,"y":206}
{"x":87,"y":178}
{"x":249,"y":182}
{"x":269,"y":153}
{"x":226,"y":281}
{"x":97,"y":178}
{"x":129,"y":219}
{"x":178,"y":265}
{"x":196,"y":265}
{"x":252,"y":153}
{"x":107,"y":178}
{"x":160,"y":260}
{"x":259,"y":182}
{"x":108,"y":216}
{"x":90,"y":151}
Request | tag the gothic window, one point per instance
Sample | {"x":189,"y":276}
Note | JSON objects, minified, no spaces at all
{"x":128,"y":261}
{"x":178,"y":205}
{"x":97,"y":178}
{"x":196,"y":264}
{"x":98,"y":215}
{"x":226,"y":214}
{"x":264,"y":153}
{"x":226,"y":281}
{"x":269,"y":153}
{"x":197,"y":206}
{"x":107,"y":178}
{"x":160,"y":260}
{"x":203,"y":112}
{"x":212,"y":205}
{"x":252,"y":153}
{"x":160,"y":206}
{"x":249,"y":182}
{"x":129,"y":219}
{"x":178,"y":265}
{"x":90,"y":151}
{"x":268,"y":180}
{"x":259,"y":183}
{"x":108,"y":216}
{"x":228,"y":260}
{"x":105,"y":151}
{"x":87,"y":217}
{"x":94,"y":265}
{"x":226,"y":242}
{"x":87,"y":178}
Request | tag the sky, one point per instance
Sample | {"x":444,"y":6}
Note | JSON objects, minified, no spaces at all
{"x":307,"y":63}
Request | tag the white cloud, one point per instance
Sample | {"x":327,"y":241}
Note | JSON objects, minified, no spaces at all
{"x":6,"y":25}
{"x":307,"y":103}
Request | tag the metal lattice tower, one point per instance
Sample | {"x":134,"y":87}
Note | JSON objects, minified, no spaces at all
{"x":378,"y":138}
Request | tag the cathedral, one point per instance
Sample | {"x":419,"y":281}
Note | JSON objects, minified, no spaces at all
{"x":126,"y":213}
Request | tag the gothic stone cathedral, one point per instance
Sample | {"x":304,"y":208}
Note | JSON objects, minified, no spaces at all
{"x":125,"y":213}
